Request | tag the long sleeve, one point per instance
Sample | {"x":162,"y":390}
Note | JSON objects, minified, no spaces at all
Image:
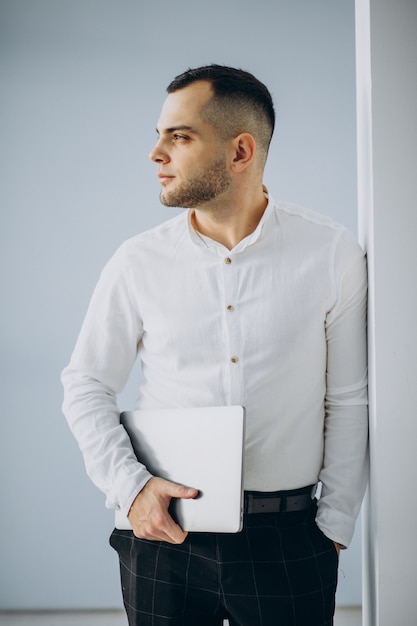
{"x":98,"y":370}
{"x":345,"y":467}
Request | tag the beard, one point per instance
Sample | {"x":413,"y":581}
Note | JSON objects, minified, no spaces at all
{"x":204,"y":186}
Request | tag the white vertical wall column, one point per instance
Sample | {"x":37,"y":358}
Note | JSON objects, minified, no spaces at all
{"x":386,"y":34}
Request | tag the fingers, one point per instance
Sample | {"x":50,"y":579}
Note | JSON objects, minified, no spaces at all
{"x":163,"y":529}
{"x":173,"y":490}
{"x":149,"y":516}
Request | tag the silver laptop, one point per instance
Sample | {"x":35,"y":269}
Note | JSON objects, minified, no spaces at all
{"x":196,"y":447}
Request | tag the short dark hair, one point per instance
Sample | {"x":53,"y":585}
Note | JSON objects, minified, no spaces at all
{"x":241,"y":103}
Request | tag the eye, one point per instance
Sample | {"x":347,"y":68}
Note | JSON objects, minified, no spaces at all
{"x":179,"y":137}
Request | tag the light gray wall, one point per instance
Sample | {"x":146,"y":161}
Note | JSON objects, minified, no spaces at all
{"x":387,"y":156}
{"x":82,"y":85}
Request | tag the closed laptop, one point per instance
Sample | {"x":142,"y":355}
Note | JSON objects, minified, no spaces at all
{"x":196,"y":447}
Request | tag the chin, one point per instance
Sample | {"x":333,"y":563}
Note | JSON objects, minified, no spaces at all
{"x":167,"y":201}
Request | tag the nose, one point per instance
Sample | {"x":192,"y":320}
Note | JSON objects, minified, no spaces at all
{"x":157,"y":155}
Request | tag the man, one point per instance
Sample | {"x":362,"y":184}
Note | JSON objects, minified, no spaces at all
{"x":239,"y":300}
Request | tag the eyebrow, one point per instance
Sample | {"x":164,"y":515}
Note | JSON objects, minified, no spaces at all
{"x":174,"y":129}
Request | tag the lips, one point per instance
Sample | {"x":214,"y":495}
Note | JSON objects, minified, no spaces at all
{"x":163,"y":176}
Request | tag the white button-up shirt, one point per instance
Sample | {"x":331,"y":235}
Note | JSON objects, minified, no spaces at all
{"x":277,"y":324}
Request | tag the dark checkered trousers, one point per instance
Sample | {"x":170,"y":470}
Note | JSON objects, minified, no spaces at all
{"x":280,"y":570}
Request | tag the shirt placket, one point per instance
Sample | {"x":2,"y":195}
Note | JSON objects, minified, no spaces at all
{"x":232,"y":325}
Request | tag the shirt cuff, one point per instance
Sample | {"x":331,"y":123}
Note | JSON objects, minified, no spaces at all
{"x":336,"y":525}
{"x":129,"y":482}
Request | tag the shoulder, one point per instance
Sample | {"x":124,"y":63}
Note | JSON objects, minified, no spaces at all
{"x":301,"y":216}
{"x":163,"y":234}
{"x":158,"y":241}
{"x":314,"y":228}
{"x":146,"y":249}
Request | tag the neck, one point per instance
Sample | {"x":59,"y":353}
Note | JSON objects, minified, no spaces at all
{"x":231,"y":219}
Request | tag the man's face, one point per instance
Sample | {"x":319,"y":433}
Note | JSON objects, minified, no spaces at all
{"x":191,"y":159}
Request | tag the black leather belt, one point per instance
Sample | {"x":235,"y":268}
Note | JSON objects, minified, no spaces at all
{"x":279,"y":501}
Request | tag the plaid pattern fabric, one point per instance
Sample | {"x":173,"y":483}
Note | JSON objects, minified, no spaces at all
{"x":279,"y":571}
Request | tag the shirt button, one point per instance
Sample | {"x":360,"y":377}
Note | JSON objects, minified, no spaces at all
{"x":230,"y":308}
{"x":228,"y":260}
{"x":234,"y":359}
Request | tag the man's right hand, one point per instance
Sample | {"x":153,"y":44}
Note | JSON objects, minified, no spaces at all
{"x":149,"y":516}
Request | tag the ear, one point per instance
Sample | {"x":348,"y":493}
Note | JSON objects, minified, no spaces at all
{"x":244,"y":150}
